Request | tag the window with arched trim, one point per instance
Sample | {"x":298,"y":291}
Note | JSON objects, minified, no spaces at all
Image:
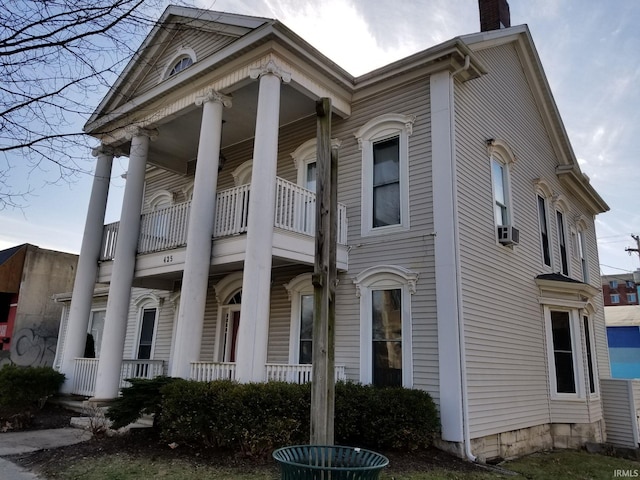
{"x":385,"y":325}
{"x":384,"y":142}
{"x":304,"y":159}
{"x":148,"y":306}
{"x":501,"y":160}
{"x":180,"y":61}
{"x":229,"y":297}
{"x":543,"y":193}
{"x":242,"y":174}
{"x":300,"y":291}
{"x":581,"y":249}
{"x":561,"y":234}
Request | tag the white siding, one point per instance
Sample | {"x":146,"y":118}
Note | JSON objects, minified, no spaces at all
{"x":620,"y":412}
{"x":504,"y":325}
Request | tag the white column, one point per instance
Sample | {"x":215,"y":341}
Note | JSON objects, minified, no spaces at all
{"x":87,"y":269}
{"x":253,"y":331}
{"x":115,"y":324}
{"x":195,"y":278}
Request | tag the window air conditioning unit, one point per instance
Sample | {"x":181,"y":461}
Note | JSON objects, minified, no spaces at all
{"x":508,"y":235}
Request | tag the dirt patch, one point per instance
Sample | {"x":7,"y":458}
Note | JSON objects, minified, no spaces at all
{"x":50,"y":416}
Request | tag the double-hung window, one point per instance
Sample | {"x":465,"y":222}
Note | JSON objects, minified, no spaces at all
{"x":562,"y":243}
{"x":563,"y":352}
{"x":384,"y":142}
{"x":582,"y":252}
{"x":544,"y":230}
{"x":500,"y":192}
{"x":385,"y":325}
{"x":301,"y":329}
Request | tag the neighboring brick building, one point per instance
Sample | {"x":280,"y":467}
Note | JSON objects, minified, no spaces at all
{"x":619,"y":290}
{"x":29,"y":318}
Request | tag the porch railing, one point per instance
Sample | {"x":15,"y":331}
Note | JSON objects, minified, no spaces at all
{"x":167,"y":228}
{"x":276,"y":372}
{"x":208,"y":371}
{"x":86,"y":371}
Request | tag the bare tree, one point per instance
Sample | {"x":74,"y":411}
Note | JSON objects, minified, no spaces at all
{"x":57,"y":57}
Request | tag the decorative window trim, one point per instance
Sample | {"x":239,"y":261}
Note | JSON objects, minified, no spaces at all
{"x":183,"y":52}
{"x":500,"y":153}
{"x":242,"y":174}
{"x":298,"y":286}
{"x":147,"y":301}
{"x":227,"y":287}
{"x":187,"y":191}
{"x":578,"y":353}
{"x":561,"y":209}
{"x":385,"y":277}
{"x":225,"y":290}
{"x":381,"y":128}
{"x":161,"y":199}
{"x":306,"y":154}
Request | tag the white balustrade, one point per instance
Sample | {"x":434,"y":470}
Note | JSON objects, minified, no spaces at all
{"x":292,"y":373}
{"x":84,"y":376}
{"x":86,"y":371}
{"x":109,"y":239}
{"x":209,"y":371}
{"x":164,"y":229}
{"x":167,"y":228}
{"x":232,"y":211}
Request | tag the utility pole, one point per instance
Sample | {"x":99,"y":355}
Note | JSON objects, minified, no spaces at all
{"x":324,"y":282}
{"x":637,"y":249}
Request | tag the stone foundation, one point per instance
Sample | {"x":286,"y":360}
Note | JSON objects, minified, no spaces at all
{"x":516,"y":443}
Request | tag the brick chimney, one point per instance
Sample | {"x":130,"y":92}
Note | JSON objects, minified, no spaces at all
{"x":494,"y":15}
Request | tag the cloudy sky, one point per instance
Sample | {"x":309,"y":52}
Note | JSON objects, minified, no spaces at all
{"x":589,"y":49}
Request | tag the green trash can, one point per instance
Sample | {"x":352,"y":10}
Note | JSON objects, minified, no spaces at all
{"x":329,"y":462}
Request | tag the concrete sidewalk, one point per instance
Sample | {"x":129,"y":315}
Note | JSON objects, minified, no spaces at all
{"x":15,"y":443}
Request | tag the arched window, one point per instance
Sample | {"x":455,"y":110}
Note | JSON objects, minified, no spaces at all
{"x":562,"y":208}
{"x":229,"y":296}
{"x":543,"y":194}
{"x":183,"y":59}
{"x":385,"y":325}
{"x":384,"y":142}
{"x":502,"y":159}
{"x":148,"y":306}
{"x":304,"y":159}
{"x":300,"y":291}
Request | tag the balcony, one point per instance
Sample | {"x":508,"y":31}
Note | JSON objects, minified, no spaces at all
{"x":294,"y":220}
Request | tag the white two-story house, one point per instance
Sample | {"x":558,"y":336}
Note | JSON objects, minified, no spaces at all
{"x":467,"y":258}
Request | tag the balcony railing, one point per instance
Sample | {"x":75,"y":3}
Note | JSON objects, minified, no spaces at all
{"x":167,"y":228}
{"x":86,"y":371}
{"x":275,"y":372}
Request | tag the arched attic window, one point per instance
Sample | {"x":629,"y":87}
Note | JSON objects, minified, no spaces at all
{"x":184,"y":58}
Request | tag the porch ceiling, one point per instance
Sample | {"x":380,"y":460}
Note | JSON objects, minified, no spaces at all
{"x":177,"y":141}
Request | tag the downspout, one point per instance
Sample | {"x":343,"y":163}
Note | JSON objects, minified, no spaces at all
{"x":461,"y":338}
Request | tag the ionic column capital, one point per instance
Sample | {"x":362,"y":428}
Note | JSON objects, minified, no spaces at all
{"x":106,"y":150}
{"x":211,"y":95}
{"x":270,"y":68}
{"x":137,"y":131}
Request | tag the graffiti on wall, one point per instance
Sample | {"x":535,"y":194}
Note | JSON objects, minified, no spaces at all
{"x":33,"y":347}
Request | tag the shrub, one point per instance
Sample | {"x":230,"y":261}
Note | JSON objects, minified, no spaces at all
{"x":142,"y":397}
{"x":384,"y":418}
{"x":25,"y":388}
{"x":256,"y":418}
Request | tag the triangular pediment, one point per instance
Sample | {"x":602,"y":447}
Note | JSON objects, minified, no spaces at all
{"x":180,"y":33}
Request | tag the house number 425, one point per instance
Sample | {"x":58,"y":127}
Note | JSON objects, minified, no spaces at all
{"x":167,"y":259}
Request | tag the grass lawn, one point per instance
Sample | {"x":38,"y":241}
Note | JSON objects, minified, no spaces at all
{"x":543,"y":466}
